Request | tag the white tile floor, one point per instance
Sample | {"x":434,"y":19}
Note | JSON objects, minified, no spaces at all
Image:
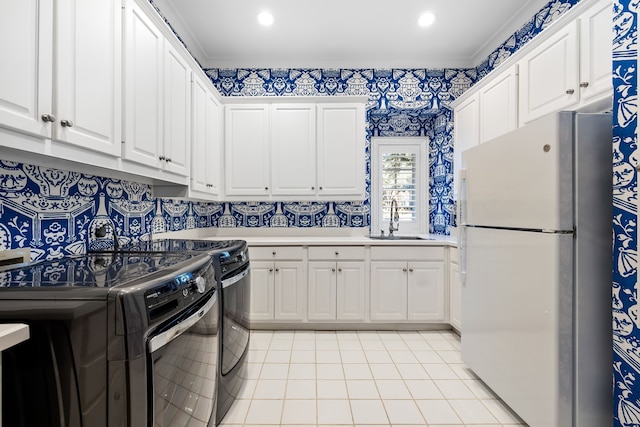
{"x":363,"y":378}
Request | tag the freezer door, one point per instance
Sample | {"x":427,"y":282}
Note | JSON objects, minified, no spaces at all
{"x":522,"y":179}
{"x":516,"y":320}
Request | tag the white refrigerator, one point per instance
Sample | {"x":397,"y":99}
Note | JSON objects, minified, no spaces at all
{"x":536,"y":262}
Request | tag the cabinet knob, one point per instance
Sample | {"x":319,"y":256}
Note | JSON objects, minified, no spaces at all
{"x":584,"y":84}
{"x":411,"y":270}
{"x":66,"y":123}
{"x":313,"y":188}
{"x":273,"y":253}
{"x":337,"y":253}
{"x":277,"y":269}
{"x":320,"y":188}
{"x":339,"y":270}
{"x":48,"y":118}
{"x":333,"y":269}
{"x":266,"y":188}
{"x":168,"y":160}
{"x":271,"y":270}
{"x":404,"y":269}
{"x":569,"y":91}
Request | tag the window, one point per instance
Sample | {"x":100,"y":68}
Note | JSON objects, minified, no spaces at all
{"x":399,"y":172}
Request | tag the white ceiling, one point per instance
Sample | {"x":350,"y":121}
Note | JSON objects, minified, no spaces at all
{"x":345,"y":33}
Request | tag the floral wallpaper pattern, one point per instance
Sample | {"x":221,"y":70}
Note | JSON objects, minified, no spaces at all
{"x":626,"y":322}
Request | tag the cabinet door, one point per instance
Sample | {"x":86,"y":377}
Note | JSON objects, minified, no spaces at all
{"x":350,"y":291}
{"x":177,"y":123}
{"x":425,"y":291}
{"x":88,"y":49}
{"x":144,"y":46}
{"x":340,"y":150}
{"x":322,"y":290}
{"x":290,"y":291}
{"x":247,"y":150}
{"x":388,"y":290}
{"x":199,"y":159}
{"x":549,"y":76}
{"x":293,"y":142}
{"x":206,"y":136}
{"x":262,"y":286}
{"x":455,"y":300}
{"x":499,"y":105}
{"x":596,"y":33}
{"x":26,"y":32}
{"x":466,"y":132}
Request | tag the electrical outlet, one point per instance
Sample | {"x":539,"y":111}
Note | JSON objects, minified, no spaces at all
{"x":9,"y":257}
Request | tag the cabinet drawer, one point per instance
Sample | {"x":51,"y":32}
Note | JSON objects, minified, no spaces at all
{"x":406,"y":253}
{"x":276,"y":252}
{"x":454,"y":255}
{"x":336,"y":252}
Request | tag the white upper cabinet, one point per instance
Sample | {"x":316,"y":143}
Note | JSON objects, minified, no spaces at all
{"x":26,"y":42}
{"x":499,"y":105}
{"x":294,"y":149}
{"x":341,"y":138}
{"x":206,"y":136}
{"x":87,"y":74}
{"x":571,"y":69}
{"x":144,"y":44}
{"x":247,"y":150}
{"x":76,"y":98}
{"x":177,"y":112}
{"x":293,"y":165}
{"x":157,"y":93}
{"x":466,"y":132}
{"x":596,"y":34}
{"x":549,"y":75}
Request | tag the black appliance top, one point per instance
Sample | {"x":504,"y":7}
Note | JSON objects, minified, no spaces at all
{"x":228,"y":255}
{"x":94,"y":270}
{"x":182,"y":245}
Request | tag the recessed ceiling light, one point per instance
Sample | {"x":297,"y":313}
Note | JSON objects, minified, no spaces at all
{"x":265,"y":18}
{"x":426,"y":19}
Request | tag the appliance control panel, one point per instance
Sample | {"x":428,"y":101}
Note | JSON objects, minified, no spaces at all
{"x":183,"y":290}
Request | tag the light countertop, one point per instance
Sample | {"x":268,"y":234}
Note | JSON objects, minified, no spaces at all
{"x":12,"y":334}
{"x":341,"y":241}
{"x":297,"y":237}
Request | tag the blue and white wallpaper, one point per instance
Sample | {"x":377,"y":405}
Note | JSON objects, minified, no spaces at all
{"x":626,"y":319}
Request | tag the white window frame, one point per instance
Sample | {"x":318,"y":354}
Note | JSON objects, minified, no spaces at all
{"x":400,"y":145}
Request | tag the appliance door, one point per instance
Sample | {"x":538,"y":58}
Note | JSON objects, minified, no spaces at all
{"x":183,"y":367}
{"x":234,"y":327}
{"x":522,"y":179}
{"x":517,"y":319}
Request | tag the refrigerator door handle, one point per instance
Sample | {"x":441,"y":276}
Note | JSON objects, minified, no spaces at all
{"x":462,"y":198}
{"x":462,"y":244}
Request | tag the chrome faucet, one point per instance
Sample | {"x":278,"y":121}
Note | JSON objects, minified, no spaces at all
{"x":393,"y":217}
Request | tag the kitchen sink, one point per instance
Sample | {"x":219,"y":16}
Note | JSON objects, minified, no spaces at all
{"x":400,"y":238}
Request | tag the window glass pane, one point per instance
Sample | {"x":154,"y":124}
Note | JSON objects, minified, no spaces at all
{"x":399,"y":182}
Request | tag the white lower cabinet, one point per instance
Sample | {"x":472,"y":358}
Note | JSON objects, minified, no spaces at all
{"x":289,"y":290}
{"x":261,"y":295}
{"x":425,"y":291}
{"x":354,"y":285}
{"x":278,"y":286}
{"x":336,"y":290}
{"x":388,"y":290}
{"x":412,"y":291}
